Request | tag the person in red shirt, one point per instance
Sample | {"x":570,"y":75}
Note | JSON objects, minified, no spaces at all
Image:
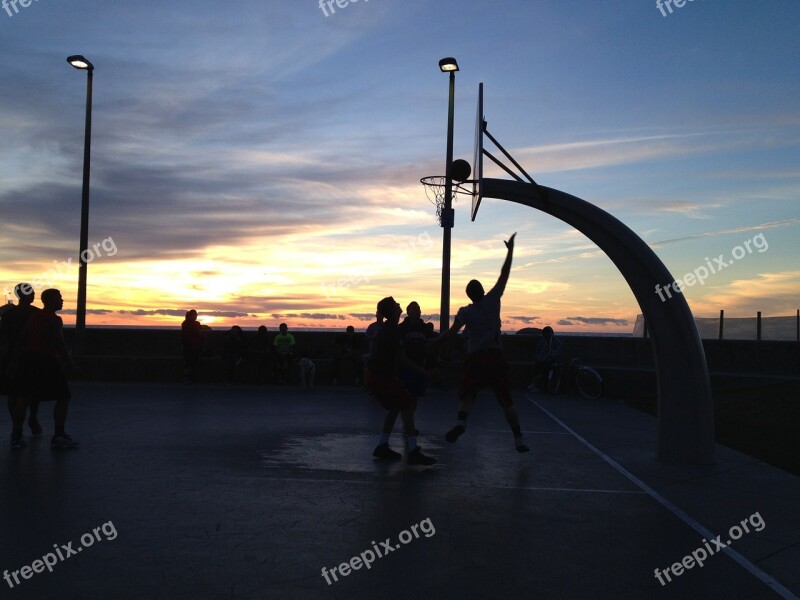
{"x":11,"y":326}
{"x":43,"y":357}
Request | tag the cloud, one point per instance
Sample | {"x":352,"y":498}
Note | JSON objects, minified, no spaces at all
{"x":179,"y":312}
{"x":733,"y":230}
{"x":315,"y":316}
{"x":527,"y":320}
{"x":594,"y":321}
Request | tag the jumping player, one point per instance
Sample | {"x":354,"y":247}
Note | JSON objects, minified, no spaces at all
{"x":384,"y":385}
{"x":485,"y":365}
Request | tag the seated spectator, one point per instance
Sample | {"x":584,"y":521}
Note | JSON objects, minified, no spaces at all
{"x":347,"y":363}
{"x":547,"y":353}
{"x":283,"y":347}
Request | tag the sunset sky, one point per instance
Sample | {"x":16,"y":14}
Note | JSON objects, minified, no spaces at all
{"x":260,"y":161}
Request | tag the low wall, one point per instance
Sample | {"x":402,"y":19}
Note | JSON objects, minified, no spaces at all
{"x":625,"y":363}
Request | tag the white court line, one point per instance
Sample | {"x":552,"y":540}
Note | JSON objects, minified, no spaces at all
{"x":765,"y":578}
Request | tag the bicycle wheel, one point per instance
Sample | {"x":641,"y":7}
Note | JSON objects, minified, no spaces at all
{"x":589,"y":383}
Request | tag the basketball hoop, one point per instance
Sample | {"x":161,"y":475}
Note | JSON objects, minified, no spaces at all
{"x":435,"y":191}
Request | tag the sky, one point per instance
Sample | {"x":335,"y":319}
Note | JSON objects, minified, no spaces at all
{"x":259,"y":161}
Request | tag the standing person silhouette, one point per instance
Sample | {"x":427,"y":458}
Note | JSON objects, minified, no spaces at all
{"x":485,"y":364}
{"x":283,"y":345}
{"x":11,"y":326}
{"x":43,"y":357}
{"x":414,"y":335}
{"x":191,"y":345}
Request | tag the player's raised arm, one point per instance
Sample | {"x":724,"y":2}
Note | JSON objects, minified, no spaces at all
{"x":505,"y":271}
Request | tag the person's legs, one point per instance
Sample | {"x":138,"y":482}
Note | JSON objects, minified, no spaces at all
{"x":465,"y":405}
{"x":61,"y":439}
{"x":33,"y":418}
{"x":17,"y":421}
{"x":60,"y":415}
{"x":414,"y":455}
{"x":382,"y":450}
{"x":497,"y":376}
{"x":473,"y":381}
{"x":513,"y":420}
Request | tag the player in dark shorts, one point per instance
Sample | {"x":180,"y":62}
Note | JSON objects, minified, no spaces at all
{"x":11,"y":327}
{"x":384,"y":385}
{"x":485,"y":364}
{"x":39,"y":374}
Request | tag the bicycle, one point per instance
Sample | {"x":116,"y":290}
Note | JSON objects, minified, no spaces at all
{"x":568,"y":377}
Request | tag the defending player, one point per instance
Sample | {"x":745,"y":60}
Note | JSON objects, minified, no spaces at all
{"x":384,"y":385}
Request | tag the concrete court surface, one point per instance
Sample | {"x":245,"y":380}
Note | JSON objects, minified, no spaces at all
{"x":248,"y":492}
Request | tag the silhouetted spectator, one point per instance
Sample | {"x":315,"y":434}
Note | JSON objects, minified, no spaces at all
{"x":192,"y":339}
{"x":261,"y":351}
{"x":547,"y":353}
{"x":347,"y":363}
{"x":284,"y":350}
{"x":40,"y":375}
{"x":233,"y":351}
{"x":11,"y":326}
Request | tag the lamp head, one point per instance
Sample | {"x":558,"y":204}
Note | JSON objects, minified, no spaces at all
{"x":448,"y":65}
{"x":80,"y":62}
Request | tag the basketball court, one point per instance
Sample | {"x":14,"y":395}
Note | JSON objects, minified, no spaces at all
{"x":247,"y":492}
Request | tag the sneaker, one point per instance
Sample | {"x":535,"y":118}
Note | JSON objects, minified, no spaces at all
{"x":416,"y":457}
{"x":18,"y":442}
{"x":63,"y":441}
{"x":452,"y":435}
{"x":521,"y":448}
{"x":384,"y":452}
{"x":533,"y":389}
{"x":36,"y":428}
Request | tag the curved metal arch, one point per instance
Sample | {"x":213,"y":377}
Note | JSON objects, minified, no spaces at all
{"x":685,"y":407}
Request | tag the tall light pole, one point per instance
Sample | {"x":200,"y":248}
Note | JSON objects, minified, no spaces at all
{"x":81,"y":63}
{"x":447,"y":65}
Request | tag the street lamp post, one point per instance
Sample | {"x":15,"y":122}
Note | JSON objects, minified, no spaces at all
{"x":447,"y":65}
{"x":81,"y":63}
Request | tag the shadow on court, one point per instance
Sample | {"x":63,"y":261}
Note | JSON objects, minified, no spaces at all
{"x":249,"y":492}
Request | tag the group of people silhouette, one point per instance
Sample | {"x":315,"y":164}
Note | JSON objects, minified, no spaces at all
{"x":395,"y":362}
{"x":397,"y":381}
{"x":34,"y":364}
